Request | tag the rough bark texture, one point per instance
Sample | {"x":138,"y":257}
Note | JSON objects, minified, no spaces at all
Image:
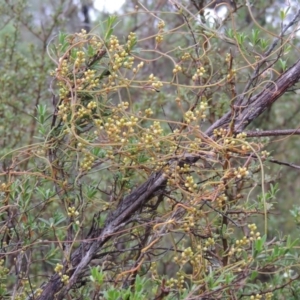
{"x":245,"y":114}
{"x":54,"y":289}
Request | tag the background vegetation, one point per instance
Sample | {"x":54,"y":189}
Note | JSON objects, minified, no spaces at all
{"x":152,"y":154}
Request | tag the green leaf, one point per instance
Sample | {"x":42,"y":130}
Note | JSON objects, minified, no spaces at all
{"x":112,"y":294}
{"x":97,"y":275}
{"x":63,"y":43}
{"x":45,"y":221}
{"x":255,"y":36}
{"x":62,"y":37}
{"x":283,"y":64}
{"x":283,"y":13}
{"x":254,"y":274}
{"x":109,"y":27}
{"x":90,"y":51}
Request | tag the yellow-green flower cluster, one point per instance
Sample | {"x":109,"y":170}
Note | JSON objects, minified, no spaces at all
{"x":173,"y":179}
{"x":189,"y":222}
{"x":92,"y":105}
{"x":159,"y":38}
{"x":185,"y":256}
{"x":195,"y":145}
{"x":229,"y":141}
{"x":84,"y":111}
{"x":200,"y":112}
{"x":82,"y":34}
{"x":65,"y":279}
{"x":177,"y":69}
{"x":38,"y":292}
{"x":265,"y":154}
{"x":241,"y":135}
{"x":113,"y":44}
{"x":184,"y":169}
{"x":186,"y":56}
{"x":112,"y":129}
{"x":228,"y":57}
{"x":179,"y":283}
{"x":155,"y":128}
{"x":72,"y":212}
{"x":241,"y":172}
{"x":94,"y":41}
{"x":243,"y":242}
{"x":87,"y":161}
{"x":209,"y":243}
{"x":123,"y":105}
{"x":269,"y":296}
{"x":138,"y":67}
{"x":121,"y":56}
{"x":147,"y":139}
{"x":221,"y":200}
{"x":155,"y":83}
{"x":3,"y":271}
{"x":80,"y":59}
{"x":128,"y":123}
{"x":63,"y":67}
{"x":128,"y":63}
{"x":246,"y":147}
{"x":220,"y":132}
{"x":111,"y":81}
{"x":199,"y":73}
{"x":153,"y":269}
{"x":118,"y":128}
{"x":189,"y":116}
{"x":58,"y":269}
{"x":161,"y":25}
{"x":231,"y":74}
{"x":131,"y":40}
{"x":253,"y":235}
{"x":122,"y":59}
{"x":190,"y":184}
{"x":148,"y":112}
{"x":63,"y":91}
{"x":89,"y":77}
{"x":4,"y":187}
{"x":63,"y":110}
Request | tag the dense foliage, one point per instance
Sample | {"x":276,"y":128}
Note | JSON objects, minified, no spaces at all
{"x":127,"y":171}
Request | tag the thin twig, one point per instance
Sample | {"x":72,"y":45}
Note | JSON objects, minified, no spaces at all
{"x":275,"y":132}
{"x":266,"y":54}
{"x":284,"y":163}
